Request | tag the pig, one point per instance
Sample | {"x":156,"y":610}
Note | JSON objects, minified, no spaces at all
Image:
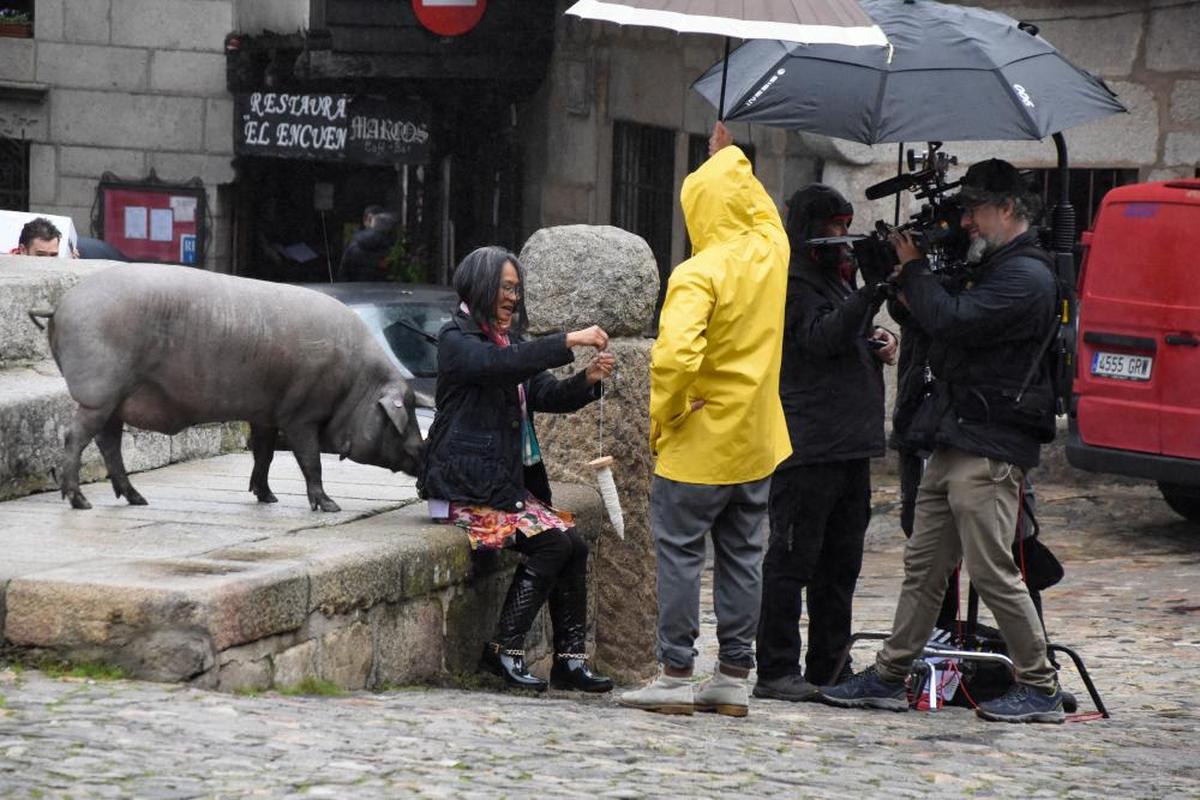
{"x":163,"y":348}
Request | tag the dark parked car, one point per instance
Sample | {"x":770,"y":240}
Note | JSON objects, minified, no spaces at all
{"x":89,"y":247}
{"x":405,"y":318}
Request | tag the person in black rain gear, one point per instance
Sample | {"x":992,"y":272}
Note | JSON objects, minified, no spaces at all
{"x":831,"y":385}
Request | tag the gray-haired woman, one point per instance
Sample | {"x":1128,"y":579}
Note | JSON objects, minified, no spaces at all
{"x":483,"y":468}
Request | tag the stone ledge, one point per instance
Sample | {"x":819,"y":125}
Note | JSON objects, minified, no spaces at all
{"x":204,"y":585}
{"x":28,"y":283}
{"x":35,"y":410}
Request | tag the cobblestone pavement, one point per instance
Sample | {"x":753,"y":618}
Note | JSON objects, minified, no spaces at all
{"x":1130,"y":603}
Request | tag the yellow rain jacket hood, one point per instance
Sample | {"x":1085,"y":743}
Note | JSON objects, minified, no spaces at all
{"x":720,"y":336}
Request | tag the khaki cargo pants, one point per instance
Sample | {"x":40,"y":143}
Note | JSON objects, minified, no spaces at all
{"x":966,"y":510}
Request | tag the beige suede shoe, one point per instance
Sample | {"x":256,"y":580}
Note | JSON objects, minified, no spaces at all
{"x":723,"y":694}
{"x":663,"y":695}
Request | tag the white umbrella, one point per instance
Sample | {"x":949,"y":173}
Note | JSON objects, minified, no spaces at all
{"x":807,"y":21}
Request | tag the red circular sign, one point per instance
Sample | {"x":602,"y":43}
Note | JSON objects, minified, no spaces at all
{"x":449,"y":17}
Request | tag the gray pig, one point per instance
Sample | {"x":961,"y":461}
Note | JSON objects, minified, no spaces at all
{"x":163,"y":348}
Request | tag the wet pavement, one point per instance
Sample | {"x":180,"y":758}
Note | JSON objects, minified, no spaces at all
{"x":1130,"y":603}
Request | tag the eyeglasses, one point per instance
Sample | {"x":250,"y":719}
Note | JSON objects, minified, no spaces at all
{"x":511,"y":290}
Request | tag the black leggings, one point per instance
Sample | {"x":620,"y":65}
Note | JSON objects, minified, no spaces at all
{"x":553,"y":553}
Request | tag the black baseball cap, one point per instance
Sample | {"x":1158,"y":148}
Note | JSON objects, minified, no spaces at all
{"x":991,"y":180}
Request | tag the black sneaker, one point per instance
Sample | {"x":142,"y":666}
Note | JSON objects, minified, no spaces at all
{"x":867,"y":690}
{"x":1024,"y":703}
{"x":792,"y":688}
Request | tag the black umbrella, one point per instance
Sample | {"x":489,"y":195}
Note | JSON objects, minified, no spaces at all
{"x":956,"y":73}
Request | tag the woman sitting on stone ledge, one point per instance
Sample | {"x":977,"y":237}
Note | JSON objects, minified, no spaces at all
{"x":483,"y":469}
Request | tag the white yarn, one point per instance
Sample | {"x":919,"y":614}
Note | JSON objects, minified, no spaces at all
{"x":612,"y":503}
{"x":605,"y":482}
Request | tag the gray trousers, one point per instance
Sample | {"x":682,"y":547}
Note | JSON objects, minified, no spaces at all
{"x":680,"y":515}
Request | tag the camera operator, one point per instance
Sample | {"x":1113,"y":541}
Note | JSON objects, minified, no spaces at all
{"x":990,"y":410}
{"x":831,"y":386}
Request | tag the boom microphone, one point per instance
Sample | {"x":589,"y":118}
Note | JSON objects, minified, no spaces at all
{"x":897,"y":184}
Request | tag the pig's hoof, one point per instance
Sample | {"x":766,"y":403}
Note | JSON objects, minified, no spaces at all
{"x":132,"y":496}
{"x":325,"y":504}
{"x":268,"y":497}
{"x":78,"y":500}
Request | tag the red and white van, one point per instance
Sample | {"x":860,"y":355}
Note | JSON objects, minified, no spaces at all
{"x":1135,"y":407}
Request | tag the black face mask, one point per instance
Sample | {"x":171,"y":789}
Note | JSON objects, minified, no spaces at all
{"x":832,"y":257}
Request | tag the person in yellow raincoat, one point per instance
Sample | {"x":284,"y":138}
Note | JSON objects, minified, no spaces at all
{"x":716,"y":427}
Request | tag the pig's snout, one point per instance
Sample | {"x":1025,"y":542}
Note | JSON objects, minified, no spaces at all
{"x":411,"y":455}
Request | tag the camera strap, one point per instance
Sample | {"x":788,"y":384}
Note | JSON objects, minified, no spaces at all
{"x":1041,"y":255}
{"x":1037,"y":359}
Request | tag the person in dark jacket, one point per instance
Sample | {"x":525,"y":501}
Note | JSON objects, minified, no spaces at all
{"x":831,"y":386}
{"x":991,"y":408}
{"x":364,"y":257}
{"x":483,"y":468}
{"x":913,"y":381}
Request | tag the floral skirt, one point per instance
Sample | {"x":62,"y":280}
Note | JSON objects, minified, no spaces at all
{"x":492,"y":529}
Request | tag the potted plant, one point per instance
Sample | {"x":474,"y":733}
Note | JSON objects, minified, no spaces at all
{"x":15,"y":23}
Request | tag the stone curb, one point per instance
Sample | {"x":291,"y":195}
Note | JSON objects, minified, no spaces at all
{"x":385,"y":598}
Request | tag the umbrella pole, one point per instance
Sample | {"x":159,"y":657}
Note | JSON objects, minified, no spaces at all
{"x":1063,"y":242}
{"x":899,"y":171}
{"x":724,"y":78}
{"x":1064,"y":213}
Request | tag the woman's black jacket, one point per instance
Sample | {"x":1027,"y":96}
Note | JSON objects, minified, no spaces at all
{"x":830,"y":382}
{"x":473,"y":453}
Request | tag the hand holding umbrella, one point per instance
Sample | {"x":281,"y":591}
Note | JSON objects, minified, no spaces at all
{"x":721,"y":137}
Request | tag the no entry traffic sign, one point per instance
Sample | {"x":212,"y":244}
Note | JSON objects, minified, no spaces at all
{"x":449,"y":17}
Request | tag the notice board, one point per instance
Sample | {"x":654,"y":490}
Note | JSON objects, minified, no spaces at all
{"x":153,"y":221}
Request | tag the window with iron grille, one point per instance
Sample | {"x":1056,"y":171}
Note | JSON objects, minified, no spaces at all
{"x":643,"y":188}
{"x":14,"y":174}
{"x":1086,"y":188}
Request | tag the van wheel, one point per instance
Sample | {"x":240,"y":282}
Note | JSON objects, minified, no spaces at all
{"x":1183,"y":500}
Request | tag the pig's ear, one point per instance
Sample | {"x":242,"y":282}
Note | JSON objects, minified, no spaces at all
{"x":393,"y":406}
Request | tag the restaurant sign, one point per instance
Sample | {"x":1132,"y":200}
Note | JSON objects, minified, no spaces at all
{"x":331,"y":127}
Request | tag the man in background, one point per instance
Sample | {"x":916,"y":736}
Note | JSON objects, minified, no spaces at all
{"x":39,"y":237}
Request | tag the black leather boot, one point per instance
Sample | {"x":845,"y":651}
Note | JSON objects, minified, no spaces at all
{"x":568,"y":614}
{"x":505,"y":654}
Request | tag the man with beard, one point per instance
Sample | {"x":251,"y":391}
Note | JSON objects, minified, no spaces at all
{"x":831,"y":385}
{"x":991,"y":409}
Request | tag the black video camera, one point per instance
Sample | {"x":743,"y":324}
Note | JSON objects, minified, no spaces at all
{"x":936,"y":228}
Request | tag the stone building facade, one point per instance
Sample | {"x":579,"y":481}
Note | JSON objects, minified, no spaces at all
{"x":603,"y":77}
{"x":134,"y":86}
{"x":128,"y":87}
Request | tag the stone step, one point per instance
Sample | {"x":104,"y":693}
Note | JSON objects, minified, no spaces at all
{"x":35,"y":411}
{"x":206,"y":585}
{"x":33,"y":283}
